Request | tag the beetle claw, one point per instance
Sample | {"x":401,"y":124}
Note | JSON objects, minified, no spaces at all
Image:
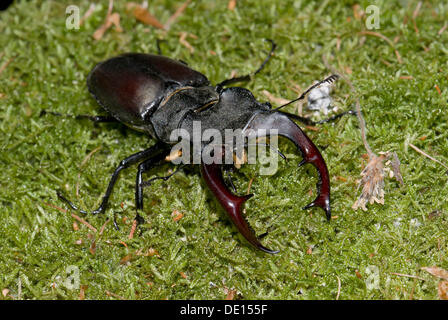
{"x":232,"y":204}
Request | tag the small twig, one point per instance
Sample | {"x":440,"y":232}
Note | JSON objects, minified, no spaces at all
{"x":250,"y":185}
{"x":407,"y":276}
{"x":231,"y":5}
{"x":176,"y":14}
{"x":103,"y":227}
{"x":55,"y":207}
{"x":142,"y":14}
{"x":111,"y":294}
{"x":274,"y":99}
{"x":183,"y":40}
{"x":443,"y":29}
{"x":415,"y":14}
{"x":87,"y":14}
{"x":134,"y":226}
{"x":84,"y":222}
{"x":390,"y":42}
{"x":427,"y":155}
{"x":6,"y":64}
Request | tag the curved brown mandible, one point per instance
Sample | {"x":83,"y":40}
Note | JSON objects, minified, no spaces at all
{"x":231,"y":203}
{"x":260,"y":125}
{"x":265,"y":121}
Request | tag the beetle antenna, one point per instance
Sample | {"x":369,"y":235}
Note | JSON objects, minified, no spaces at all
{"x":328,"y":80}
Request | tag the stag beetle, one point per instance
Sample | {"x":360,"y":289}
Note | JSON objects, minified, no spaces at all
{"x":155,"y":94}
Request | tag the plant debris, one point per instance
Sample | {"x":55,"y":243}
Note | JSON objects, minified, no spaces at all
{"x":442,"y":274}
{"x":177,"y":215}
{"x":428,"y":156}
{"x":183,"y":39}
{"x":142,"y":14}
{"x":231,"y":5}
{"x":372,"y":181}
{"x":88,"y":13}
{"x":319,"y":98}
{"x":111,"y":19}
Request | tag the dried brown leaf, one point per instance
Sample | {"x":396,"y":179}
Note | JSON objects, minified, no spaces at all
{"x":372,"y":183}
{"x":92,"y":248}
{"x":115,"y":20}
{"x":230,"y":293}
{"x":143,"y":15}
{"x":126,"y":259}
{"x":231,"y":5}
{"x":443,"y":290}
{"x":82,"y":291}
{"x":437,"y":272}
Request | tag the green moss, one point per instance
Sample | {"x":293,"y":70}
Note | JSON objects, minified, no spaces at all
{"x":39,"y":155}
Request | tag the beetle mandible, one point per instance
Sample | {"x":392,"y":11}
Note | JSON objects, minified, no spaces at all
{"x":155,"y":94}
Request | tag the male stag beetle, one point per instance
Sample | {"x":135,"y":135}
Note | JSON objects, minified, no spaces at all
{"x":155,"y":94}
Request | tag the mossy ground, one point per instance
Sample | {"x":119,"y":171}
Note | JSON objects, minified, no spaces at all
{"x":202,"y":254}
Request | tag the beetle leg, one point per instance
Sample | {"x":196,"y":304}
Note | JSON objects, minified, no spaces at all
{"x":96,"y":119}
{"x":232,"y":204}
{"x":133,"y":159}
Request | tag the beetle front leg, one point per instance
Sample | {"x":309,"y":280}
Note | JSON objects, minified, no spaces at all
{"x":142,"y":168}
